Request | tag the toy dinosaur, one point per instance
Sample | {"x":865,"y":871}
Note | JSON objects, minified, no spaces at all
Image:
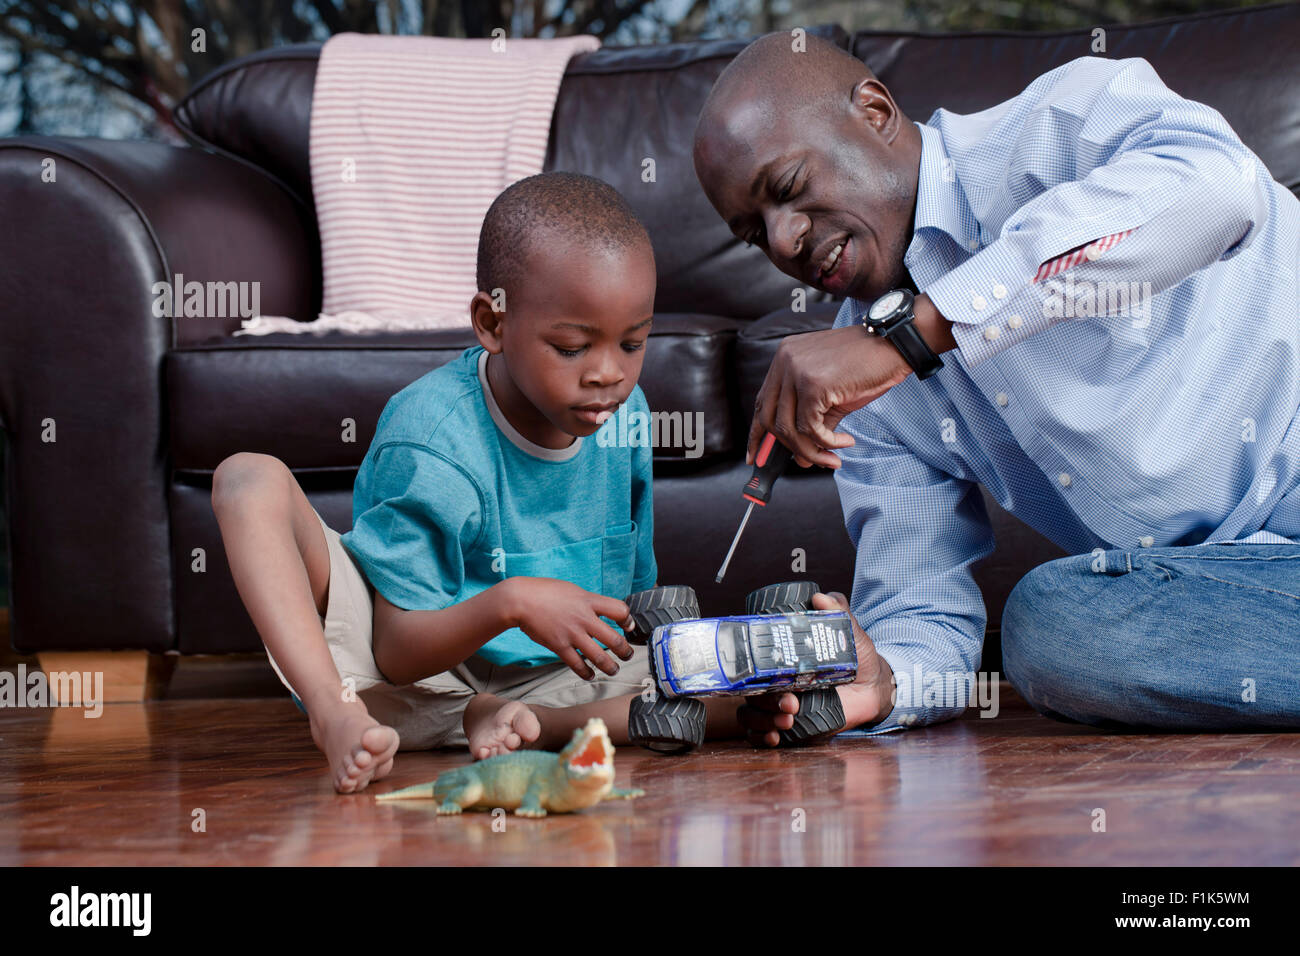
{"x":530,"y":782}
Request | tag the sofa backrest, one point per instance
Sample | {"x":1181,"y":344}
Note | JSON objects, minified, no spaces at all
{"x":1244,"y":63}
{"x":621,"y":105}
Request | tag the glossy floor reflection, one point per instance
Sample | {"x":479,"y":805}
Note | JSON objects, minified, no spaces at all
{"x":133,"y":787}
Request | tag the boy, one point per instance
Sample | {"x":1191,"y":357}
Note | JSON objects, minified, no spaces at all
{"x":490,"y":537}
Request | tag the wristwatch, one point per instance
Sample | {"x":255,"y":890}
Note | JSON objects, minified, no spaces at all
{"x":891,"y":317}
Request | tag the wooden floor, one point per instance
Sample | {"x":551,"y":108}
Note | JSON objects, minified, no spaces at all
{"x":1017,"y":789}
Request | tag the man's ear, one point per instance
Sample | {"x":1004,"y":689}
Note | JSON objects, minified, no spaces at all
{"x":871,"y":97}
{"x":486,"y":314}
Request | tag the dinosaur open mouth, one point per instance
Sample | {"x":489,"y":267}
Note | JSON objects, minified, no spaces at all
{"x":593,"y":754}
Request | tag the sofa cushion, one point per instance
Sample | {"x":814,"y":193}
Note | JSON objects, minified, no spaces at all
{"x":1241,"y":62}
{"x":292,"y":395}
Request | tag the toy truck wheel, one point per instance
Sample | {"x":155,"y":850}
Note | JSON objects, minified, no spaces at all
{"x":658,"y":606}
{"x":786,"y":598}
{"x":820,"y":713}
{"x":666,"y":725}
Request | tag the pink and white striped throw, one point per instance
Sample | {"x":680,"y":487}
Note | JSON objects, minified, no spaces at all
{"x":411,"y":140}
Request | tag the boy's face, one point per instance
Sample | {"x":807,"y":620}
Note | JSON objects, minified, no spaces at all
{"x":572,"y":339}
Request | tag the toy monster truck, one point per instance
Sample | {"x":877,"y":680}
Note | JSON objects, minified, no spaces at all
{"x":780,"y":643}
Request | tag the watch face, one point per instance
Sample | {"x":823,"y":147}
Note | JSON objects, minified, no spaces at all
{"x":885,"y":305}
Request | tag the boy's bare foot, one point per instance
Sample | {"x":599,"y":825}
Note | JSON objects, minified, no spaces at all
{"x":359,"y":748}
{"x":495,"y":726}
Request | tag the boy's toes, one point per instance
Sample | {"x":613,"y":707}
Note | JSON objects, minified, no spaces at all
{"x":508,"y":728}
{"x":360,"y":761}
{"x":380,"y":741}
{"x":357,"y":746}
{"x":525,"y":726}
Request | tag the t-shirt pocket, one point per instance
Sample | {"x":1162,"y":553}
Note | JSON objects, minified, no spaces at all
{"x":618,"y":561}
{"x":578,"y":562}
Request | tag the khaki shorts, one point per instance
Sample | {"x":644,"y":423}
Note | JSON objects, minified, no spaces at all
{"x":428,"y":713}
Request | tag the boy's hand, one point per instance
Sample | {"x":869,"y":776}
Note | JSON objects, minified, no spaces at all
{"x":564,"y":618}
{"x":868,"y":700}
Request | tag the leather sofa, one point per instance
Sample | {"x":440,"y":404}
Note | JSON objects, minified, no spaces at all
{"x":113,"y":544}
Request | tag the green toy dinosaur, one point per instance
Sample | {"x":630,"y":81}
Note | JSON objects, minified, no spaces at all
{"x":530,"y":782}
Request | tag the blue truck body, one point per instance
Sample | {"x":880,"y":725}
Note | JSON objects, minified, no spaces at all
{"x":753,"y":653}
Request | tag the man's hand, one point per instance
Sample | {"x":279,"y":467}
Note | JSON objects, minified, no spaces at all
{"x":819,"y":377}
{"x":564,"y":618}
{"x":815,"y":380}
{"x":868,"y":700}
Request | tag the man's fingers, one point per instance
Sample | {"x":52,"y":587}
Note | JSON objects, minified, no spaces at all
{"x":783,"y":426}
{"x":830,"y":601}
{"x":836,"y":601}
{"x":761,"y":722}
{"x":756,"y":429}
{"x":800,"y":402}
{"x":767,"y":412}
{"x":811,"y":424}
{"x":776,"y":703}
{"x":764,"y":408}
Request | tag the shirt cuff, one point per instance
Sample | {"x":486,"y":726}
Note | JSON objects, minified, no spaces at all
{"x":916,"y":680}
{"x":991,"y":300}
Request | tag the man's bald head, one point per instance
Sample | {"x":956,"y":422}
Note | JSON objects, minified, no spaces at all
{"x":775,"y":81}
{"x":803,"y":152}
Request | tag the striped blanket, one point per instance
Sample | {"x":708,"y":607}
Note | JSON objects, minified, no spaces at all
{"x":411,"y":140}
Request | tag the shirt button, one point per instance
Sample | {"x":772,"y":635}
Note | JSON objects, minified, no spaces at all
{"x":992,"y":332}
{"x":1065,"y":479}
{"x":1014,"y":322}
{"x":977,"y":302}
{"x":973,"y":245}
{"x":1002,"y":399}
{"x":1146,"y":541}
{"x":1092,"y":253}
{"x":999,"y":291}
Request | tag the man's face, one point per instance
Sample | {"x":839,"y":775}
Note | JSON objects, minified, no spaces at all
{"x":574,"y":340}
{"x":828,"y":199}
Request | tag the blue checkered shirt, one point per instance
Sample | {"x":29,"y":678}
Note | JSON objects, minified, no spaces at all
{"x":1100,"y":421}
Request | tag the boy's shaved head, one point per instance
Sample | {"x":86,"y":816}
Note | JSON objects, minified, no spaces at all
{"x":561,"y":208}
{"x":578,"y":271}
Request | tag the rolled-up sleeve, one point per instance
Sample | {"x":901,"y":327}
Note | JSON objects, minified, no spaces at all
{"x":917,"y":531}
{"x":1129,"y":158}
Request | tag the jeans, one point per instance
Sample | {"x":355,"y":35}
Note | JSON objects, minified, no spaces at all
{"x":1189,"y":638}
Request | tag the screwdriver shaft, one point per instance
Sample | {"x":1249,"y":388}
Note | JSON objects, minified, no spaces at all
{"x":734,"y":541}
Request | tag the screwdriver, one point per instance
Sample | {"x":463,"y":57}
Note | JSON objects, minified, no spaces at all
{"x":769,"y":463}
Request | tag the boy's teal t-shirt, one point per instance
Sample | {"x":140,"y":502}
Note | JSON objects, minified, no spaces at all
{"x":450,"y":499}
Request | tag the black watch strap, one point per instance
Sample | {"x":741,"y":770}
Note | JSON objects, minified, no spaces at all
{"x":920,"y":356}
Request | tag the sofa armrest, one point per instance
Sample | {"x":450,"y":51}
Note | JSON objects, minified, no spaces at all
{"x":92,"y":226}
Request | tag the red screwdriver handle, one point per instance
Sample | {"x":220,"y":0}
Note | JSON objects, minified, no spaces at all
{"x":769,"y":463}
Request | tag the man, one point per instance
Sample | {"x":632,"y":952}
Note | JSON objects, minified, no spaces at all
{"x":1085,"y":299}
